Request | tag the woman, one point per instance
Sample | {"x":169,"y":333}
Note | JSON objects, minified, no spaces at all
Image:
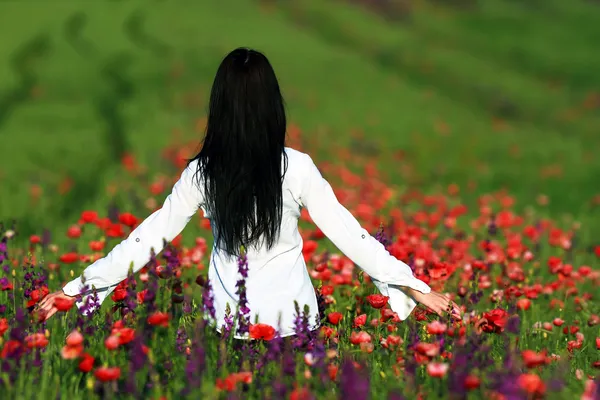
{"x":252,"y":188}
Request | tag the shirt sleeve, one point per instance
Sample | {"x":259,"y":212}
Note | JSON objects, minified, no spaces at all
{"x":389,"y":274}
{"x":166,"y":223}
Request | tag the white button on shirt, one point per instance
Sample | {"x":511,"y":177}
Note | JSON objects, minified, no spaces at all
{"x":277,"y":277}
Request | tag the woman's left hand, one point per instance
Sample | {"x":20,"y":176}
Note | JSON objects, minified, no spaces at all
{"x":47,"y":308}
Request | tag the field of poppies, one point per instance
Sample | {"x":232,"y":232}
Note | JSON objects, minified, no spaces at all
{"x":473,"y":162}
{"x":528,"y":293}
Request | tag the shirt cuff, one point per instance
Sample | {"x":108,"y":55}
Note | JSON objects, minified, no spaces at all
{"x":400,"y":302}
{"x":73,"y":288}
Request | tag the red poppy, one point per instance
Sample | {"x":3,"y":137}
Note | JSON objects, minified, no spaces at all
{"x":360,"y":320}
{"x":335,"y":317}
{"x":391,"y":341}
{"x":103,"y":223}
{"x":97,"y":245}
{"x":128,"y":161}
{"x":120,"y":292}
{"x":89,"y":217}
{"x":301,"y":394}
{"x":115,"y":231}
{"x":308,"y":249}
{"x":74,"y":232}
{"x":119,"y":324}
{"x":69,"y":258}
{"x":532,"y":384}
{"x":106,"y":374}
{"x":533,"y":359}
{"x":3,"y":326}
{"x":128,"y":219}
{"x":36,"y":340}
{"x":428,"y":349}
{"x":159,"y":319}
{"x":598,"y":343}
{"x":317,"y":234}
{"x":10,"y":347}
{"x":63,"y":304}
{"x":471,"y":382}
{"x":233,"y":379}
{"x":75,"y":338}
{"x":37,"y":295}
{"x":141,"y":296}
{"x":227,"y":384}
{"x":262,"y":331}
{"x":437,"y":370}
{"x":326,"y":290}
{"x":523,"y":304}
{"x":377,"y":300}
{"x":360,"y":337}
{"x":327,"y":331}
{"x":493,"y":321}
{"x":570,"y":329}
{"x":71,"y":352}
{"x":388,"y":314}
{"x":125,"y":335}
{"x":35,"y":239}
{"x":332,"y":371}
{"x":245,"y":377}
{"x":112,"y":342}
{"x":436,"y":328}
{"x":87,"y":363}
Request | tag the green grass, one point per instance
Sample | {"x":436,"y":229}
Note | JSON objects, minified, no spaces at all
{"x":341,"y":69}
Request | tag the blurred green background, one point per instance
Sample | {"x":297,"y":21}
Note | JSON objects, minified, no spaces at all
{"x":498,"y":93}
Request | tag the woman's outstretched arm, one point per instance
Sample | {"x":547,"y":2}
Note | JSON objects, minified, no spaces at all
{"x":392,"y":277}
{"x":166,"y":223}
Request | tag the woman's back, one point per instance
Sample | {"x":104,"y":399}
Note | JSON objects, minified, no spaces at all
{"x":277,"y":276}
{"x":252,"y":188}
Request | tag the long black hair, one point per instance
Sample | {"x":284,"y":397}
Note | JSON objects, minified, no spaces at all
{"x":241,"y":157}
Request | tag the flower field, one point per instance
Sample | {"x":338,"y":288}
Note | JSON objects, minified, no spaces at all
{"x":530,"y":327}
{"x":475,"y":162}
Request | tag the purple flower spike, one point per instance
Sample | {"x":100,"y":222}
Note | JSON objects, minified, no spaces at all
{"x":243,"y":310}
{"x":353,"y":384}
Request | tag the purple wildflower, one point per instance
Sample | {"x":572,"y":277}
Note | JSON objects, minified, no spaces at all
{"x":137,"y":360}
{"x":181,"y":339}
{"x":131,"y":297}
{"x":513,"y":325}
{"x":300,"y":329}
{"x":492,"y":227}
{"x":228,"y":326}
{"x":243,"y":310}
{"x":113,"y":213}
{"x":288,"y":361}
{"x":381,"y":237}
{"x":196,"y":362}
{"x":152,"y":284}
{"x":171,"y":257}
{"x":187,"y":304}
{"x":354,"y":384}
{"x":46,"y":238}
{"x":395,"y":396}
{"x":208,"y":300}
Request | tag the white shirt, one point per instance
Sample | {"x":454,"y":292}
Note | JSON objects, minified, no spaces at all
{"x":276,"y":277}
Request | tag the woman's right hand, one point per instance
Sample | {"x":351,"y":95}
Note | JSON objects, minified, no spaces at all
{"x":46,"y":307}
{"x":437,"y":302}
